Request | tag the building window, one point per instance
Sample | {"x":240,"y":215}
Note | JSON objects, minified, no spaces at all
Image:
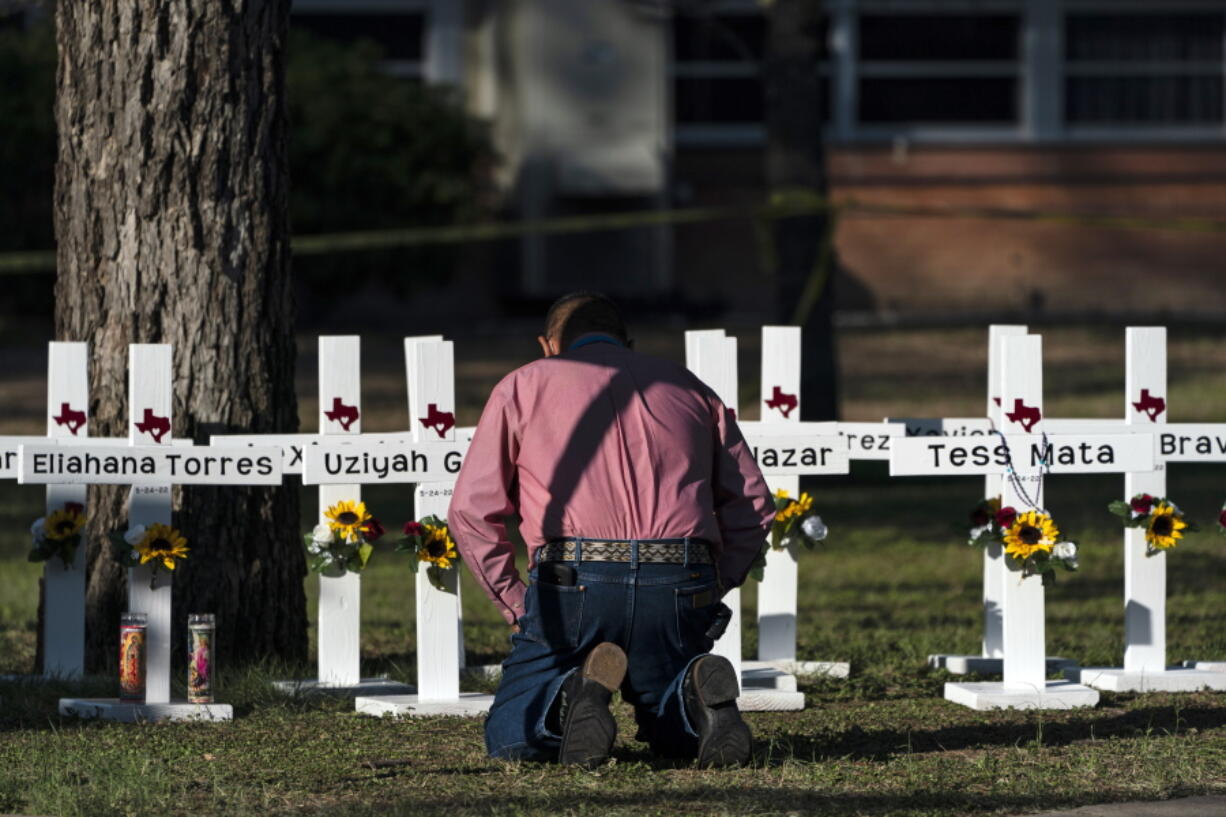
{"x":717,"y":60}
{"x":1144,"y":69}
{"x":959,"y":100}
{"x":941,"y":38}
{"x":718,"y":92}
{"x":939,"y":69}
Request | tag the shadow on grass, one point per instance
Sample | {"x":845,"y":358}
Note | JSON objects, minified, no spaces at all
{"x":723,"y":800}
{"x":883,"y":744}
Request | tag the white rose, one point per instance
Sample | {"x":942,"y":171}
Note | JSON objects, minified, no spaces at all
{"x":814,"y":528}
{"x":979,"y":531}
{"x":134,"y":535}
{"x":38,"y":530}
{"x":134,"y":556}
{"x":322,"y":535}
{"x":1065,"y":551}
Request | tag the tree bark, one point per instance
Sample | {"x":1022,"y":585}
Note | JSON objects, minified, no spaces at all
{"x":796,"y":172}
{"x":172,"y":227}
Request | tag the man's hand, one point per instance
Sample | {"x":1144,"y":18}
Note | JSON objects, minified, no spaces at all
{"x":515,"y":628}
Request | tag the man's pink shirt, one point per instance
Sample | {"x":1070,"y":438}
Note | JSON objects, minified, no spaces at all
{"x":605,"y":443}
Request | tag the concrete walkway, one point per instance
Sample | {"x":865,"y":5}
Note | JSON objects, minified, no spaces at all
{"x":1207,"y":806}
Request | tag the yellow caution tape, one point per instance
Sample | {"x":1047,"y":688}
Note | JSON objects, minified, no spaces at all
{"x":782,"y":204}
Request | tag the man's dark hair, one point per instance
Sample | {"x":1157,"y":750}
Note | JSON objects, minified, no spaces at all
{"x":579,"y":313}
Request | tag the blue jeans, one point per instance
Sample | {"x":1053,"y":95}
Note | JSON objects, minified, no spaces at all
{"x":658,"y":613}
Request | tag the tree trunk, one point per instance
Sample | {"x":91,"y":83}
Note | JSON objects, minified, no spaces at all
{"x":172,"y":227}
{"x":796,"y":173}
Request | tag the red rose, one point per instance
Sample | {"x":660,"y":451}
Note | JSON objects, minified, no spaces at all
{"x":373,"y":530}
{"x":1221,"y":519}
{"x":1005,"y":517}
{"x":1142,"y":504}
{"x":412,"y":528}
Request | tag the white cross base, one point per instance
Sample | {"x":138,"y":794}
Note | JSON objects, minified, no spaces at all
{"x":113,"y":709}
{"x":1208,"y":666}
{"x":468,"y":705}
{"x":1169,"y":679}
{"x":1051,"y":695}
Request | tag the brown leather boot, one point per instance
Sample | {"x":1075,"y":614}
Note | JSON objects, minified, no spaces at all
{"x":710,"y":690}
{"x":587,"y":727}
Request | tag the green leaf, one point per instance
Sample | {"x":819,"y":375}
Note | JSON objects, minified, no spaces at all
{"x":1121,"y":509}
{"x":35,"y":555}
{"x":364,"y":551}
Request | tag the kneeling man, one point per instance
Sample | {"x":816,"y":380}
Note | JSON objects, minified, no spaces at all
{"x":641,"y":506}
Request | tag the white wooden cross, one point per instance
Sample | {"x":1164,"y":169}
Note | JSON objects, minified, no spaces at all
{"x":1146,"y":409}
{"x":780,"y":411}
{"x":989,"y":661}
{"x":63,"y":633}
{"x":430,"y":368}
{"x":711,"y":355}
{"x":1025,"y":683}
{"x":152,"y":465}
{"x":340,"y":596}
{"x":430,"y":455}
{"x":67,"y":425}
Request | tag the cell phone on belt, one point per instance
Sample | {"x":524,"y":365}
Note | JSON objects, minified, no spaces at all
{"x":557,"y":573}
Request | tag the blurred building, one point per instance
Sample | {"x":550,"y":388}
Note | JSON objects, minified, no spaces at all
{"x":625,"y":105}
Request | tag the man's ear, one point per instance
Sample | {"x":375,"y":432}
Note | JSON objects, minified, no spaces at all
{"x":549,"y":348}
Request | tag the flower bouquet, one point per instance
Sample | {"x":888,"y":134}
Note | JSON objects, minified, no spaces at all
{"x":1032,"y":541}
{"x":795,"y":523}
{"x":430,"y":542}
{"x":160,"y":544}
{"x":344,"y":542}
{"x":58,"y":534}
{"x":1162,"y":519}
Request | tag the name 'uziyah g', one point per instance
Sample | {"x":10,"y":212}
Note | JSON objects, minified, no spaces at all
{"x":383,"y":465}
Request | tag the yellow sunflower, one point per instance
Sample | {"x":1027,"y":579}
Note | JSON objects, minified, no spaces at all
{"x":347,"y":519}
{"x":63,"y":524}
{"x":796,"y":508}
{"x":437,"y":548}
{"x":1031,"y":532}
{"x":162,"y":543}
{"x":1165,"y":526}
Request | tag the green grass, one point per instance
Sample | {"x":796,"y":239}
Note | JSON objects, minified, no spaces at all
{"x":894,"y":584}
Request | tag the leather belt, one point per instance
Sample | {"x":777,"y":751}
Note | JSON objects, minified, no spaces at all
{"x":650,"y":551}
